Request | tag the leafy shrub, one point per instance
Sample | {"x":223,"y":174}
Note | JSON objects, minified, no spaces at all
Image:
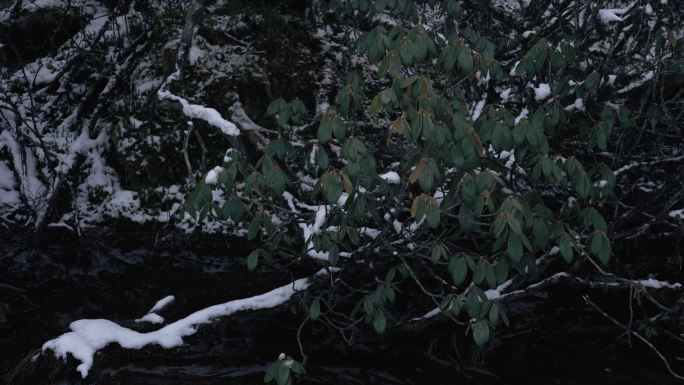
{"x":460,"y":155}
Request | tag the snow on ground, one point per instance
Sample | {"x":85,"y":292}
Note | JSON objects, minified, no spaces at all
{"x":391,"y":177}
{"x":87,"y":336}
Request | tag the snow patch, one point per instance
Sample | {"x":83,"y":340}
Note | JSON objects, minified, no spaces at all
{"x":647,"y":77}
{"x":391,"y":177}
{"x":152,"y":318}
{"x":610,"y":15}
{"x":87,"y":336}
{"x":213,"y":175}
{"x":677,"y":214}
{"x":655,"y":284}
{"x":542,"y":91}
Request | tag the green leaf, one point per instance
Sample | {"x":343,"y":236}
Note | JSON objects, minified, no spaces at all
{"x":379,"y":321}
{"x":236,"y":209}
{"x":325,"y":130}
{"x":283,"y":375}
{"x":252,"y":260}
{"x":354,"y":236}
{"x":591,"y":81}
{"x":453,"y":7}
{"x":473,"y":303}
{"x":565,"y":246}
{"x":494,"y":314}
{"x":438,"y":251}
{"x":501,"y":270}
{"x":465,"y":59}
{"x":272,"y":372}
{"x":502,"y":139}
{"x":368,"y":306}
{"x":334,"y":254}
{"x":515,"y":250}
{"x":480,"y":332}
{"x":254,"y":228}
{"x":276,"y":106}
{"x":331,"y":185}
{"x":282,"y":117}
{"x":458,"y":269}
{"x":490,"y":276}
{"x":541,"y":233}
{"x":432,"y":213}
{"x":322,"y":159}
{"x":479,"y":273}
{"x":449,"y":58}
{"x":596,"y":243}
{"x":406,"y":51}
{"x":315,"y":309}
{"x":604,"y":254}
{"x":514,"y":225}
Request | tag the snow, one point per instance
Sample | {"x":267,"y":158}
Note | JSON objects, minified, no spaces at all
{"x":578,"y":104}
{"x":212,"y":175}
{"x":505,"y":95}
{"x":290,"y":201}
{"x":677,"y":214}
{"x":45,"y":76}
{"x":196,"y":111}
{"x":162,"y":303}
{"x":239,"y":116}
{"x":542,"y":91}
{"x":523,"y":114}
{"x":8,"y":197}
{"x":312,"y":155}
{"x":647,"y":77}
{"x":427,"y":315}
{"x":7,"y":181}
{"x":493,"y":294}
{"x":477,"y":109}
{"x":87,"y":336}
{"x":610,"y":15}
{"x":152,"y":318}
{"x":310,"y":230}
{"x":320,"y":219}
{"x":397,"y":226}
{"x":655,"y":284}
{"x":391,"y":177}
{"x":123,"y":201}
{"x":369,"y":232}
{"x":195,"y":54}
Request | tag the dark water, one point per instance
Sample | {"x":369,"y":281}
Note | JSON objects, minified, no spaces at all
{"x":555,"y":338}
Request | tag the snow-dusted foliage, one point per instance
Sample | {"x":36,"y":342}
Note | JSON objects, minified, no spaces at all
{"x":469,"y":152}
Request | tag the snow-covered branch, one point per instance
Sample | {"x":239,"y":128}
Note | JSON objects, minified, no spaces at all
{"x":87,"y":336}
